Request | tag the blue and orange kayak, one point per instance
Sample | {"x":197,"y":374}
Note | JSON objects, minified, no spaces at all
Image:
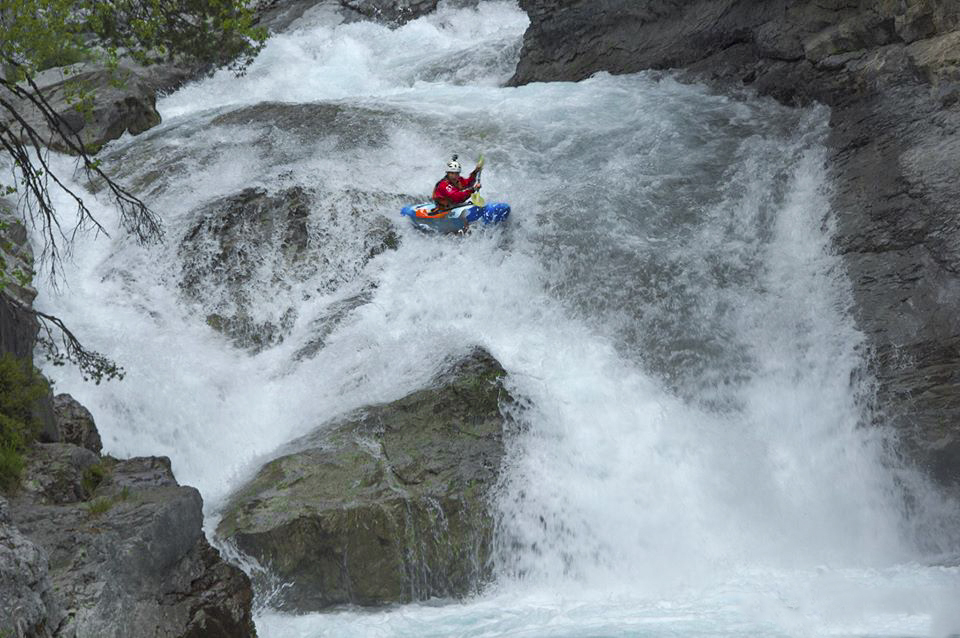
{"x":454,"y":220}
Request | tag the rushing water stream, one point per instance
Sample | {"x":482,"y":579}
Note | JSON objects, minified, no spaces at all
{"x":696,"y":459}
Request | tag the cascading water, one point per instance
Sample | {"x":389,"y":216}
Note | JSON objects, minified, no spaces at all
{"x":694,"y":458}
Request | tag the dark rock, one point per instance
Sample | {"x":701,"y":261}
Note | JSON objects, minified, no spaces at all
{"x":133,"y":560}
{"x":279,"y":15}
{"x":18,"y":328}
{"x":388,"y":505}
{"x":75,"y":424}
{"x":391,"y":11}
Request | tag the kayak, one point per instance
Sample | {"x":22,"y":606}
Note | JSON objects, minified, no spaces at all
{"x":456,"y":219}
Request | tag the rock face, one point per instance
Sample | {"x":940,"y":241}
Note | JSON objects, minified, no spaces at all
{"x":124,"y":102}
{"x":27,"y":597}
{"x":890,"y":71}
{"x":385,"y":506}
{"x":91,"y":546}
{"x":18,"y":329}
{"x":127,"y":554}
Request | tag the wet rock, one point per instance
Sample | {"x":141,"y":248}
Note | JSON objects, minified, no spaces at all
{"x":388,"y":505}
{"x":279,"y":15}
{"x":391,"y":11}
{"x":75,"y":424}
{"x":237,"y":243}
{"x":255,"y":246}
{"x":132,"y":560}
{"x":856,"y":33}
{"x":27,"y":597}
{"x":122,"y":102}
{"x":323,"y":325}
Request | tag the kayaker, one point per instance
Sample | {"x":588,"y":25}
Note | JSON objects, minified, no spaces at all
{"x":453,"y":189}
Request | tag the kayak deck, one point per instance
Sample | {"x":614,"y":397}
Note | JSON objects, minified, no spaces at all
{"x":456,"y":219}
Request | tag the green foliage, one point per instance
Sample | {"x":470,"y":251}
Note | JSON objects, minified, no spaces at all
{"x":39,"y":34}
{"x":93,"y":476}
{"x":103,"y":504}
{"x":99,"y":506}
{"x":20,"y":388}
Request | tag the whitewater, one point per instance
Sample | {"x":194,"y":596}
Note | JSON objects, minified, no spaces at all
{"x":698,"y":455}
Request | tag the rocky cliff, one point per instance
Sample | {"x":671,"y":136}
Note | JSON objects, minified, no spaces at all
{"x":95,"y":546}
{"x":890,"y":71}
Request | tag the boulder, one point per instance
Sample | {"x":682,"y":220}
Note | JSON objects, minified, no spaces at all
{"x":59,"y":473}
{"x":131,"y":559}
{"x":256,"y":245}
{"x":391,"y":11}
{"x":122,"y":101}
{"x":75,"y":424}
{"x":387,"y":505}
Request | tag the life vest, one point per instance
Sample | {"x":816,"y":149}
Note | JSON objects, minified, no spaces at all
{"x":446,"y":194}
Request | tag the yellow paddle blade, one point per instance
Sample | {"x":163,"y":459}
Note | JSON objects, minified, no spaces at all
{"x":477,"y":200}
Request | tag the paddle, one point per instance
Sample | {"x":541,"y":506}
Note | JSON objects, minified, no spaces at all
{"x":476,"y":199}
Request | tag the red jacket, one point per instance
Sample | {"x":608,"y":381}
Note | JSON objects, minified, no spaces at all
{"x":447,"y":194}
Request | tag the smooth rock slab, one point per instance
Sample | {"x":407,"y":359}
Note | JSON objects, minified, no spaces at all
{"x":386,"y":506}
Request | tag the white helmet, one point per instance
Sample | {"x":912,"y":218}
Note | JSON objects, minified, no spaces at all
{"x":453,"y":166}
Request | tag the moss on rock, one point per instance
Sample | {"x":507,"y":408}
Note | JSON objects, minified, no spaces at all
{"x":389,"y":505}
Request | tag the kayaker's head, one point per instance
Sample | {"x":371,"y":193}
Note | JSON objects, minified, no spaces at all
{"x":453,"y":168}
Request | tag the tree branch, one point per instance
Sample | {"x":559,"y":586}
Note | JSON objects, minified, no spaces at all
{"x":59,"y":345}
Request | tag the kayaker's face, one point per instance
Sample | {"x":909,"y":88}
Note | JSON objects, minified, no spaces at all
{"x":451,"y":176}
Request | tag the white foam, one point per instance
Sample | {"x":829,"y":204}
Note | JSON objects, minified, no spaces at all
{"x":664,"y":298}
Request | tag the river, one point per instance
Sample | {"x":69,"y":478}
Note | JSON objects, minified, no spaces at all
{"x":698,"y":456}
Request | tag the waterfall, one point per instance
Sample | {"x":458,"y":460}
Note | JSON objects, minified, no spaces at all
{"x":695,"y":456}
